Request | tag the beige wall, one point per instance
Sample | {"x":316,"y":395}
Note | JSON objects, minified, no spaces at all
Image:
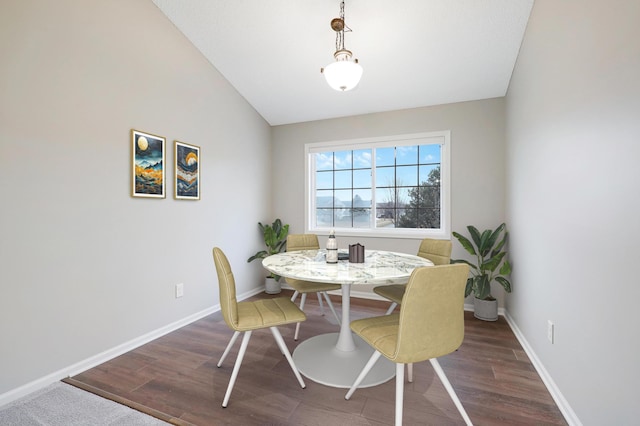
{"x":83,"y":266}
{"x":573,"y":201}
{"x":477,"y":164}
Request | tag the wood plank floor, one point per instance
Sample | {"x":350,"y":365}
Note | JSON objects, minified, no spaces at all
{"x":175,"y":378}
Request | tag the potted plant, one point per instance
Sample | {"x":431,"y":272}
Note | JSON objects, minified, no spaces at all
{"x":275,"y":239}
{"x":491,"y":265}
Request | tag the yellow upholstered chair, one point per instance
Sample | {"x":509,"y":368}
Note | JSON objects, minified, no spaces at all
{"x":430,"y":324}
{"x":437,"y":251}
{"x":248,"y":316}
{"x":308,"y":242}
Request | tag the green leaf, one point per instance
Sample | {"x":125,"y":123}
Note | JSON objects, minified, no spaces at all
{"x":259,"y":255}
{"x":483,"y":287}
{"x":492,"y":264}
{"x":505,"y":283}
{"x":469,"y":288}
{"x":501,"y":243}
{"x":269,"y":239}
{"x":506,"y":268}
{"x":494,"y":237}
{"x":277,"y":226}
{"x":282,"y":234}
{"x":464,"y":261}
{"x":466,"y":244}
{"x":485,"y":246}
{"x":496,"y":233}
{"x":475,"y":235}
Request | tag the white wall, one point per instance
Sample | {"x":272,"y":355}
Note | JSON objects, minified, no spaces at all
{"x":84,"y":267}
{"x":573,"y":200}
{"x":477,"y":164}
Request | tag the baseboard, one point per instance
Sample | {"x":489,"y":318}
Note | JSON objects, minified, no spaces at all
{"x":566,"y":410}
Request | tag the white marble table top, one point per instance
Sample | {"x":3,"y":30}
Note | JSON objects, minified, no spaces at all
{"x":379,"y":267}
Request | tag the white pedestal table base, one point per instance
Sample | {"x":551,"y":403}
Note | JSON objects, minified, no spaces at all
{"x":318,"y":359}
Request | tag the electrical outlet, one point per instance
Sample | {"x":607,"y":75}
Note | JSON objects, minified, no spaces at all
{"x":179,"y":290}
{"x":550,"y":331}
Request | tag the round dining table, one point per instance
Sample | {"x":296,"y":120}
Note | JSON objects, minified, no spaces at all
{"x":336,"y":359}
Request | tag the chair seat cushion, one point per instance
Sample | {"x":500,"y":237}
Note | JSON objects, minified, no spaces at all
{"x":393,"y":292}
{"x":302,"y":286}
{"x":267,"y":313}
{"x":380,"y":332}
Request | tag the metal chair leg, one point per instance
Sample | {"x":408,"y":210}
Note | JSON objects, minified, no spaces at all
{"x":320,"y":303}
{"x":410,"y":372}
{"x":326,"y":296}
{"x":236,"y":367}
{"x":452,"y":393}
{"x":302,"y":300}
{"x":391,"y":308}
{"x":363,"y":374}
{"x":228,"y":348}
{"x":287,"y":354}
{"x":399,"y":393}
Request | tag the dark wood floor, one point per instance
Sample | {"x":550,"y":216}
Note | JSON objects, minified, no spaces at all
{"x":175,"y":378}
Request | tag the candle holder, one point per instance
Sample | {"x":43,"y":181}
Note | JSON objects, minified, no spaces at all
{"x":356,"y":253}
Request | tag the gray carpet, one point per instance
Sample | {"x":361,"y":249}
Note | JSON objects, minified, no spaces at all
{"x":64,"y":405}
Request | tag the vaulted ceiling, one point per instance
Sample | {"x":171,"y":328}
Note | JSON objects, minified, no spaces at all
{"x":414,"y":52}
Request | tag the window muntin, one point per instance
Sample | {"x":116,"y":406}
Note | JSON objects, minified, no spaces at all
{"x":397,"y":186}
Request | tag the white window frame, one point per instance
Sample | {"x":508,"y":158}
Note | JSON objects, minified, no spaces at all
{"x":441,"y":137}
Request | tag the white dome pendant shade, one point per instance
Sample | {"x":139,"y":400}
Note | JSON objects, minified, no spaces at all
{"x":343,"y":74}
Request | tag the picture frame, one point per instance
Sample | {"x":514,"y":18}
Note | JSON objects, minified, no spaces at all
{"x":187,"y":171}
{"x":147,"y":165}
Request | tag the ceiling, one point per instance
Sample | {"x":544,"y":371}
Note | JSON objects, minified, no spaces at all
{"x":414,"y":52}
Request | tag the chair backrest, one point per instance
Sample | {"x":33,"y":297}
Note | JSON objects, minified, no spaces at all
{"x":302,"y":242}
{"x":432,"y":313}
{"x":227,"y":285}
{"x":437,"y":251}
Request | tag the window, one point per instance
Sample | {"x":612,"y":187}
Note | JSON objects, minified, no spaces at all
{"x":393,"y":186}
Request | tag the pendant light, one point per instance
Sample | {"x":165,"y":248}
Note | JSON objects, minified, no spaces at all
{"x":344,"y":74}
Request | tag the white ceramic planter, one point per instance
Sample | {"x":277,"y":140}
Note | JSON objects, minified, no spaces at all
{"x":486,"y":310}
{"x":271,"y":286}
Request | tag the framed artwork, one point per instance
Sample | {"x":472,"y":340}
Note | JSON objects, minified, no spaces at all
{"x":187,"y":171}
{"x":147,"y":165}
